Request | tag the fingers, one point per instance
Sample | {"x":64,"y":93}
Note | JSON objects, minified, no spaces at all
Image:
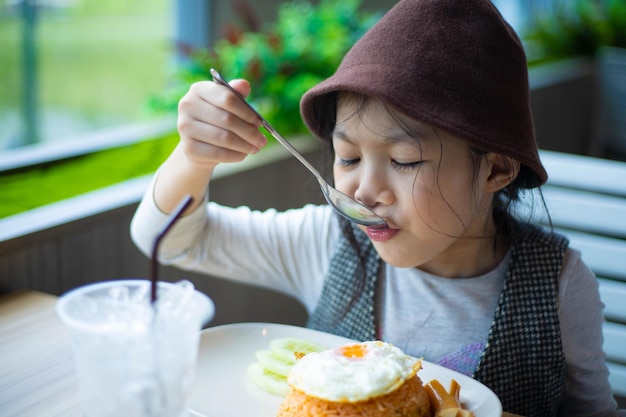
{"x":216,"y":126}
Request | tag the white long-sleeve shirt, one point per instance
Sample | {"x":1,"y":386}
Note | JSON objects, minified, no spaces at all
{"x":290,"y":252}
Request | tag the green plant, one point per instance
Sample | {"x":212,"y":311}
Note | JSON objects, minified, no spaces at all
{"x":302,"y":47}
{"x":576,"y":30}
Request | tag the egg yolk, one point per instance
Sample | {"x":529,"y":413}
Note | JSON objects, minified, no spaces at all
{"x":353,"y":351}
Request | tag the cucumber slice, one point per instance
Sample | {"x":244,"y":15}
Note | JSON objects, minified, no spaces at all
{"x":286,"y":347}
{"x":267,"y":380}
{"x":274,"y":362}
{"x":273,"y":366}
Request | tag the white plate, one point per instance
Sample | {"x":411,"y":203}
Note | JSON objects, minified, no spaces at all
{"x":223,"y":389}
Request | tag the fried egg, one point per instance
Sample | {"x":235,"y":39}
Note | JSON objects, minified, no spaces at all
{"x":353,"y":372}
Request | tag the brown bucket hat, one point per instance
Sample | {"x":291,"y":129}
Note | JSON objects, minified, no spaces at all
{"x":453,"y":64}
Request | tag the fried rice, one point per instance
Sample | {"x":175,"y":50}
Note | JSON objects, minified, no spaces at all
{"x":408,"y":400}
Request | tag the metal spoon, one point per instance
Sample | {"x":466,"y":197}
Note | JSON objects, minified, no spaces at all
{"x":344,"y":205}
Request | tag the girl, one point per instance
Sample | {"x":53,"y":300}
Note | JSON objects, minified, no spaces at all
{"x":429,"y":121}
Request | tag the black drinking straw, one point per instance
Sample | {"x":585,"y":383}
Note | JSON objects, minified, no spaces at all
{"x":176,"y":213}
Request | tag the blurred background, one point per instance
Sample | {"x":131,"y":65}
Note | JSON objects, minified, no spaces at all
{"x":70,"y":67}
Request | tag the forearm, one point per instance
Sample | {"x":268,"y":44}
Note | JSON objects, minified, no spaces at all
{"x":178,"y":177}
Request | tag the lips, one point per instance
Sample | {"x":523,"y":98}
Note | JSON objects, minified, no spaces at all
{"x":381,"y":234}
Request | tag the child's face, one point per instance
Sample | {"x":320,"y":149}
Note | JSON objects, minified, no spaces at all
{"x":425,"y":183}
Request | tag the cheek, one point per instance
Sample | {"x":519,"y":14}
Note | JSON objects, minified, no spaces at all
{"x":346,"y":182}
{"x":444,"y":201}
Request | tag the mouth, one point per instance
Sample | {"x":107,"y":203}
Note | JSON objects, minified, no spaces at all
{"x":381,"y":233}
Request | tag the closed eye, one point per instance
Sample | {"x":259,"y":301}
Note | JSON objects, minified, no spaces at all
{"x":405,"y":165}
{"x":348,"y":162}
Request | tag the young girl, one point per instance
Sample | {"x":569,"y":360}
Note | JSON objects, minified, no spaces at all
{"x":429,"y":121}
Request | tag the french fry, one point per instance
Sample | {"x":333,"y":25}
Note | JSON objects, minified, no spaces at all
{"x":446,"y":403}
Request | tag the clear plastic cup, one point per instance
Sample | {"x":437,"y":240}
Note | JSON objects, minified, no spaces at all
{"x":134,"y":359}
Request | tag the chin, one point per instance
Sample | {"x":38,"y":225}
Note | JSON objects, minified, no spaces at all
{"x":397,"y":260}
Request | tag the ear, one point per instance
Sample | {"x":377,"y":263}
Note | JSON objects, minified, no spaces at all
{"x":502,"y":171}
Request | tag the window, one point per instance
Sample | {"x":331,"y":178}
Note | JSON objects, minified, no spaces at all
{"x":68,"y":67}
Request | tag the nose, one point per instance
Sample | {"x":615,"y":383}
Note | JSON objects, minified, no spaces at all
{"x":373,"y":188}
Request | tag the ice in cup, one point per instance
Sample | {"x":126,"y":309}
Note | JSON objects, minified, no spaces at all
{"x":135,"y":359}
